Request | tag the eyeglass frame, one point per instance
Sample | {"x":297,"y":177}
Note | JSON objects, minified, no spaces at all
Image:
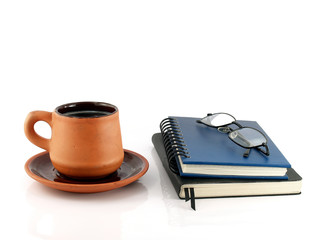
{"x":226,"y":129}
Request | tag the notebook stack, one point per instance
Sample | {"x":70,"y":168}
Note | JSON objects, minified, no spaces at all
{"x":202,"y":162}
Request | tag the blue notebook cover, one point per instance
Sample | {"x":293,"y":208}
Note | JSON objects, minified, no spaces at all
{"x":206,"y":145}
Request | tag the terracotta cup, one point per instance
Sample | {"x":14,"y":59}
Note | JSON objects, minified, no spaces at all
{"x":85,"y":140}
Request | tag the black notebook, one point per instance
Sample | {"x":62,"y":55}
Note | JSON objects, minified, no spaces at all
{"x":191,"y":188}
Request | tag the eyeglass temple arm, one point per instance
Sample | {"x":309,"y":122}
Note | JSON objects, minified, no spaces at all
{"x":236,"y":123}
{"x":265,"y":152}
{"x":247,"y":152}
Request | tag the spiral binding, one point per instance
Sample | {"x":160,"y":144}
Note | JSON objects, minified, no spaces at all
{"x":173,"y":142}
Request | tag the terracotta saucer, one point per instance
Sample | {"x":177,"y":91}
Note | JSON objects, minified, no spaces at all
{"x":40,"y":168}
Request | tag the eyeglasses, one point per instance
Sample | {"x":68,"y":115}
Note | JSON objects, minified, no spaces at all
{"x":245,"y":137}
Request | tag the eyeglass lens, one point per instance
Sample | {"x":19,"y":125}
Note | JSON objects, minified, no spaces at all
{"x":218,"y":119}
{"x":247,"y":137}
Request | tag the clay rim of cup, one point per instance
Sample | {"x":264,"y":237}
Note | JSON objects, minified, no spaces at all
{"x":86,"y":106}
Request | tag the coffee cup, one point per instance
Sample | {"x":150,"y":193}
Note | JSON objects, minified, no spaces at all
{"x":85,"y":138}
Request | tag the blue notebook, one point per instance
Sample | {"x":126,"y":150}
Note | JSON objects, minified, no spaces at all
{"x":210,"y":153}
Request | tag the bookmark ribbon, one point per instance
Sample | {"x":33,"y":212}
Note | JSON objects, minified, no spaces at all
{"x":190,"y":197}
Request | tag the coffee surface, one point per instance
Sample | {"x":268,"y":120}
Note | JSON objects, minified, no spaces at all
{"x":86,"y":114}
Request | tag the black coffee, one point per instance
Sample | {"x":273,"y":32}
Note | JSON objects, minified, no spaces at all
{"x":86,"y":114}
{"x":86,"y":109}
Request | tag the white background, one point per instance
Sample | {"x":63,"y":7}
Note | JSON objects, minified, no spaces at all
{"x":258,"y":60}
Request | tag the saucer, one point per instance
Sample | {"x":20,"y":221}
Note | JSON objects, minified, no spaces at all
{"x":40,"y":168}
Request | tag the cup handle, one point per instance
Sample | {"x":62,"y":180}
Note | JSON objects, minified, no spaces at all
{"x":31,"y":134}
